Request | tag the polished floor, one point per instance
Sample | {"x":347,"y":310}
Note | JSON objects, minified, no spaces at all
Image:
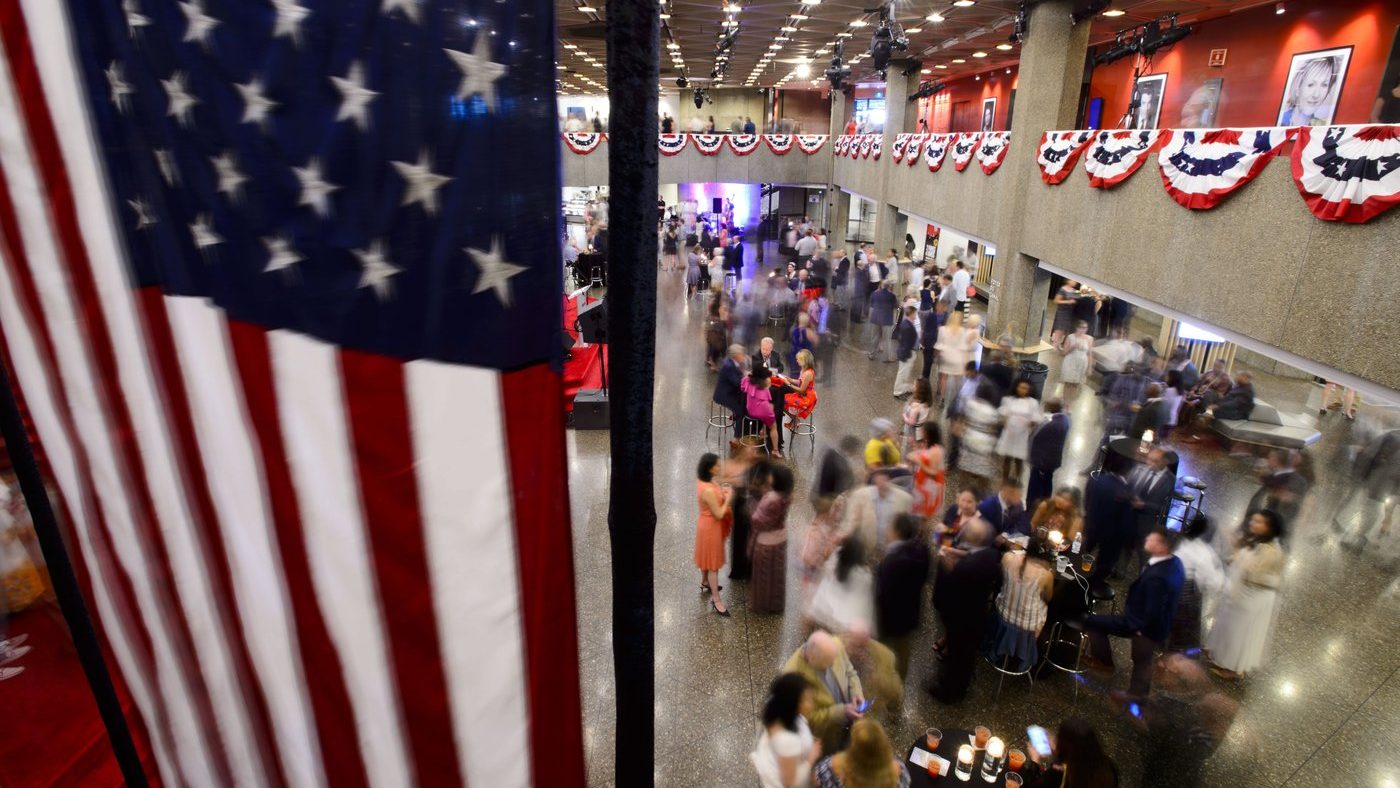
{"x":1324,"y":710}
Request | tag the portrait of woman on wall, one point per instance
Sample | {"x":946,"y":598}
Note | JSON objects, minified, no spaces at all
{"x":1314,"y":84}
{"x":1387,"y":106}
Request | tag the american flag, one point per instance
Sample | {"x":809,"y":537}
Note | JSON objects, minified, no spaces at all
{"x":279,"y":286}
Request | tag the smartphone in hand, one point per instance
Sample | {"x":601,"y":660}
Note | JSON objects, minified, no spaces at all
{"x":1040,"y":741}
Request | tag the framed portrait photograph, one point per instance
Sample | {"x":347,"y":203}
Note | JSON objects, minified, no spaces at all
{"x":1147,"y":93}
{"x":1387,"y":106}
{"x":1313,"y":86}
{"x":1200,"y":109}
{"x":989,"y":113}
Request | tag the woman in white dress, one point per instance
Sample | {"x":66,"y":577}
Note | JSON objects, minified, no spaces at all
{"x":1205,"y":577}
{"x":952,"y":354}
{"x":978,"y":427}
{"x":1078,"y":352}
{"x":1020,"y":412}
{"x":972,"y":337}
{"x":786,"y":749}
{"x":846,"y":594}
{"x":1245,"y":615}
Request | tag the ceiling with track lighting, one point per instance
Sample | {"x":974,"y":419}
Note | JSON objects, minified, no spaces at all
{"x":788,"y":43}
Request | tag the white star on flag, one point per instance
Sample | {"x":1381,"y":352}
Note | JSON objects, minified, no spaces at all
{"x":493,"y":271}
{"x":376,"y":271}
{"x":289,"y":19}
{"x":410,"y":8}
{"x":422,"y":183}
{"x":165,"y":160}
{"x":354,"y":96}
{"x":200,"y":24}
{"x":315,"y":191}
{"x":120,"y":88}
{"x":280,"y":253}
{"x":134,"y":18}
{"x":230,"y":179}
{"x":144,"y":218}
{"x":479,"y":73}
{"x":181,"y":102}
{"x":203,"y":233}
{"x":256,"y":106}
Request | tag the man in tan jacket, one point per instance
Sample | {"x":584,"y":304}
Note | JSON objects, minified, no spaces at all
{"x":870,"y":513}
{"x":836,"y":691}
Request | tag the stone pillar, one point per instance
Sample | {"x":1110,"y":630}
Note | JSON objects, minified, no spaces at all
{"x":1047,"y":97}
{"x":838,"y":203}
{"x":889,"y":223}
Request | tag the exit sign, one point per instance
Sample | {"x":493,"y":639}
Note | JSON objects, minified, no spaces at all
{"x":1217,"y":58}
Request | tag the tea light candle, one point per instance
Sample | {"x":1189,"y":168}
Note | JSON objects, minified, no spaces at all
{"x":1148,"y":436}
{"x":991,"y":761}
{"x":995,"y":748}
{"x":1057,"y":539}
{"x":964,"y":768}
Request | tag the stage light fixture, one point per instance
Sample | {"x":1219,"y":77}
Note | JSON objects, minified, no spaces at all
{"x":699,"y":98}
{"x":1093,"y":9}
{"x":682,"y":82}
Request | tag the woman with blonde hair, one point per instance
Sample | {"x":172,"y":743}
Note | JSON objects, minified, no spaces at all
{"x":1060,"y":512}
{"x":952,"y":353}
{"x":802,"y":400}
{"x":868,"y":762}
{"x":1310,"y":100}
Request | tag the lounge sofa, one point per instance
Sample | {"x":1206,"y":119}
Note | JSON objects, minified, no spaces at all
{"x":1267,"y":427}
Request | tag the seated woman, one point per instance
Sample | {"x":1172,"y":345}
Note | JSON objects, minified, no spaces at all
{"x":802,"y":400}
{"x":1060,"y":512}
{"x":1027,"y":582}
{"x":963,"y":511}
{"x":759,"y":404}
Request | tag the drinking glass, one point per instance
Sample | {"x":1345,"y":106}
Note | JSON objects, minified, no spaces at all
{"x":981,"y":734}
{"x":1013,"y":780}
{"x":1015,"y":759}
{"x":1086,"y":563}
{"x":932,"y":738}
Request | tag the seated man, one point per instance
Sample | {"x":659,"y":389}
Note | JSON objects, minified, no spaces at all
{"x":836,"y":688}
{"x":728,"y":394}
{"x":1239,"y":403}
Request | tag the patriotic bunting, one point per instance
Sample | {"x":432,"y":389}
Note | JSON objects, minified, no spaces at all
{"x":843,"y":144}
{"x":743,"y":144}
{"x":709,"y":144}
{"x":1114,"y":155}
{"x":810,"y":143}
{"x":1058,"y":152}
{"x":671,"y":144}
{"x":778,"y":143}
{"x":901,"y":141}
{"x":1348,"y":173}
{"x":866,"y":141}
{"x":582,"y":143}
{"x":916,"y":142}
{"x":1201,"y":167}
{"x":936,"y":148}
{"x":964,"y":148}
{"x":992,"y":151}
{"x":876,"y":144}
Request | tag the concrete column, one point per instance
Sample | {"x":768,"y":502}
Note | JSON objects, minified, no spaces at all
{"x":889,"y":223}
{"x":1047,"y":97}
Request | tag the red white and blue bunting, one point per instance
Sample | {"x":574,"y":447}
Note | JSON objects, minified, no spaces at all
{"x":671,"y":144}
{"x":1058,"y":153}
{"x":1201,"y":167}
{"x":916,"y":144}
{"x":866,"y":142}
{"x":1348,"y":173}
{"x":992,"y":151}
{"x":581,"y":143}
{"x":936,"y":149}
{"x":709,"y":144}
{"x":901,"y":141}
{"x":1114,"y":155}
{"x":778,"y":143}
{"x":810,"y":143}
{"x":964,"y":148}
{"x":843,"y":148}
{"x":876,"y":145}
{"x":742,"y":144}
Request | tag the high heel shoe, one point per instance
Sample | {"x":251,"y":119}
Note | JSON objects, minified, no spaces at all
{"x":705,"y":588}
{"x":714,"y":607}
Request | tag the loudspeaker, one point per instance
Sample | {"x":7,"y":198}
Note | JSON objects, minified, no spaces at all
{"x":717,"y":206}
{"x":593,"y":323}
{"x":591,"y":410}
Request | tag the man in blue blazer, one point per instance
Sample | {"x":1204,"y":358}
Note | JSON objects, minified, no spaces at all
{"x":728,"y":393}
{"x":1147,"y":615}
{"x":1004,"y":510}
{"x":1047,"y":453}
{"x":1110,"y":522}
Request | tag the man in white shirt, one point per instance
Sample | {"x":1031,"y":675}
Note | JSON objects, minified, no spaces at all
{"x":806,"y":247}
{"x":962,"y":280}
{"x":1114,"y":355}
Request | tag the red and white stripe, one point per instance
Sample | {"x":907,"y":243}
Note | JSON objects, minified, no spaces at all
{"x":313,"y":566}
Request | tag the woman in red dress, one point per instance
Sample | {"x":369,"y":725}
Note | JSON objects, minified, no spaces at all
{"x":929,"y":475}
{"x":711,"y":530}
{"x":800,"y":402}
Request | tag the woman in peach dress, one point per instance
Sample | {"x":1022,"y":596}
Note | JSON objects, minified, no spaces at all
{"x":711,"y":530}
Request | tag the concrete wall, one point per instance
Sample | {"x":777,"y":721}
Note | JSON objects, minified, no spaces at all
{"x":692,"y":166}
{"x":970,"y":200}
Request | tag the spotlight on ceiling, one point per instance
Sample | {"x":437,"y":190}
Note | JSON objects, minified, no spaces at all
{"x":838,"y":70}
{"x":699,"y":97}
{"x":1279,"y":9}
{"x":682,"y":82}
{"x":888,"y":38}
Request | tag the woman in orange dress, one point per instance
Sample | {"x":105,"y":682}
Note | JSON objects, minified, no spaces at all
{"x":802,"y":400}
{"x":930,"y":475}
{"x":711,"y":530}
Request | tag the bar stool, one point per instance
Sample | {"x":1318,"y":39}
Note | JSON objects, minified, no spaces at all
{"x":1100,"y":596}
{"x":719,"y":418}
{"x":804,"y":427}
{"x":1005,"y":671}
{"x":1199,"y":488}
{"x":731,"y":282}
{"x":776,"y":314}
{"x":1068,"y":632}
{"x":1186,"y":499}
{"x":754,"y":435}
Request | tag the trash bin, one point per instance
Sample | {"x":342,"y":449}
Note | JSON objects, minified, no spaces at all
{"x":1034,"y":372}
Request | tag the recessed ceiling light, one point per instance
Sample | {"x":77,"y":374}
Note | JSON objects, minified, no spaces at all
{"x":859,"y":23}
{"x":844,"y":35}
{"x":941,"y":65}
{"x":964,"y":3}
{"x":978,"y":77}
{"x":665,"y":16}
{"x":781,"y":39}
{"x":1008,"y":71}
{"x":959,"y":60}
{"x":587,"y":9}
{"x":934,"y":17}
{"x":733,"y":8}
{"x":925,"y":71}
{"x":1003,"y":47}
{"x":811,"y":2}
{"x":571,"y":46}
{"x":1111,"y":12}
{"x":799,"y":17}
{"x":788,"y":29}
{"x":913,"y":31}
{"x":979,"y":53}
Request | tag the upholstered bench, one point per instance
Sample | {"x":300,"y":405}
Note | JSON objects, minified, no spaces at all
{"x":1267,"y":427}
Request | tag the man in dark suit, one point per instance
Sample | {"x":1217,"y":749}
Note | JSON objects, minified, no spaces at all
{"x":929,"y":323}
{"x":1047,"y":452}
{"x":1152,"y":484}
{"x":1152,"y":415}
{"x":1000,"y":373}
{"x":728,"y":394}
{"x":1109,"y":518}
{"x":899,"y":589}
{"x":1146,"y":618}
{"x":906,"y":338}
{"x":1003,"y":511}
{"x":964,"y":592}
{"x":768,"y":357}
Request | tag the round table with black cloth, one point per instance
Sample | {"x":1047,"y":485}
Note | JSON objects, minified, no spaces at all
{"x":948,"y":750}
{"x":1128,"y":448}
